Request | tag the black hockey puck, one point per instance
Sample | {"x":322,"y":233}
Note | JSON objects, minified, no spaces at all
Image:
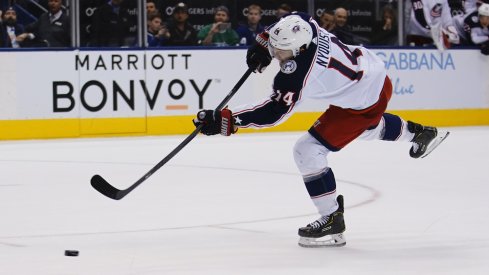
{"x":72,"y":253}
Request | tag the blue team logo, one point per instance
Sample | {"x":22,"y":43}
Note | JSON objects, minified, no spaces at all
{"x":288,"y":67}
{"x":436,"y":10}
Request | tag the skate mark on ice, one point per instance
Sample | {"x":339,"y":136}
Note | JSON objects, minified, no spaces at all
{"x":374,"y":195}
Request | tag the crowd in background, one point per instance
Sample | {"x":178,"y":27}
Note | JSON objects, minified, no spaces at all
{"x":113,"y":23}
{"x":50,"y":29}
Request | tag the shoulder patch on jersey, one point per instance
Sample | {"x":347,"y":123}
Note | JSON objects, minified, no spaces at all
{"x":288,"y":67}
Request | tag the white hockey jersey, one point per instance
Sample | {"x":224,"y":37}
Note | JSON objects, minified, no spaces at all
{"x":479,"y":34}
{"x":341,"y":75}
{"x":470,"y":28}
{"x":427,"y":13}
{"x":470,"y":5}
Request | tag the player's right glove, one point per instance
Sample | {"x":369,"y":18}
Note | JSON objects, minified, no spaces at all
{"x":215,"y":122}
{"x":258,"y":57}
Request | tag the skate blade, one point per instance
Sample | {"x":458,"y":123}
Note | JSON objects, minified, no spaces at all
{"x":335,"y":240}
{"x":435,"y":142}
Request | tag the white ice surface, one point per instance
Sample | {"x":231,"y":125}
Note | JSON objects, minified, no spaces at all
{"x":233,"y":206}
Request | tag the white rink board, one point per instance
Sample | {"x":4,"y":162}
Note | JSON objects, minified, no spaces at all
{"x":105,"y":84}
{"x":428,"y":79}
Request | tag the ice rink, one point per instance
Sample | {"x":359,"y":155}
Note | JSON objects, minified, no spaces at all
{"x":233,"y":206}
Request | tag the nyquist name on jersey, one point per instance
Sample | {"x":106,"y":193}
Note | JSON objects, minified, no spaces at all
{"x":323,"y":49}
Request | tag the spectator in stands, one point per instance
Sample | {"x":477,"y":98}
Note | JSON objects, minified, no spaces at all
{"x":181,"y":32}
{"x":110,"y":25}
{"x":283,"y":10}
{"x":247,"y":31}
{"x":10,"y":29}
{"x":385,"y":31}
{"x":327,"y":20}
{"x":341,"y":17}
{"x":428,"y":21}
{"x":151,"y":8}
{"x":157,"y":31}
{"x":220,"y":32}
{"x":52,"y":29}
{"x":342,"y":29}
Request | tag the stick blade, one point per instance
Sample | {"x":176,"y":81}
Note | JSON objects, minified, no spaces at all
{"x":101,"y":185}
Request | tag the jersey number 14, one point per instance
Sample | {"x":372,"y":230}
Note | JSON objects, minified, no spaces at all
{"x":351,"y":55}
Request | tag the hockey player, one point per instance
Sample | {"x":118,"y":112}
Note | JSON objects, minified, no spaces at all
{"x":479,"y":31}
{"x":430,"y":22}
{"x":474,"y":27}
{"x":351,"y":80}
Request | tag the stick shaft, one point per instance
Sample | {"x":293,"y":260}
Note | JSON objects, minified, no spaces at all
{"x":108,"y":190}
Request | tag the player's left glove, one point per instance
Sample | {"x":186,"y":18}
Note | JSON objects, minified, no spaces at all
{"x":216,"y":122}
{"x":257,"y":56}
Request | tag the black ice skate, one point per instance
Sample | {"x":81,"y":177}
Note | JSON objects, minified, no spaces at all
{"x":326,"y":231}
{"x":425,"y":140}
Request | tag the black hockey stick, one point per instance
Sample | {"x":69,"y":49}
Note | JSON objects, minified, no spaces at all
{"x":101,"y":185}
